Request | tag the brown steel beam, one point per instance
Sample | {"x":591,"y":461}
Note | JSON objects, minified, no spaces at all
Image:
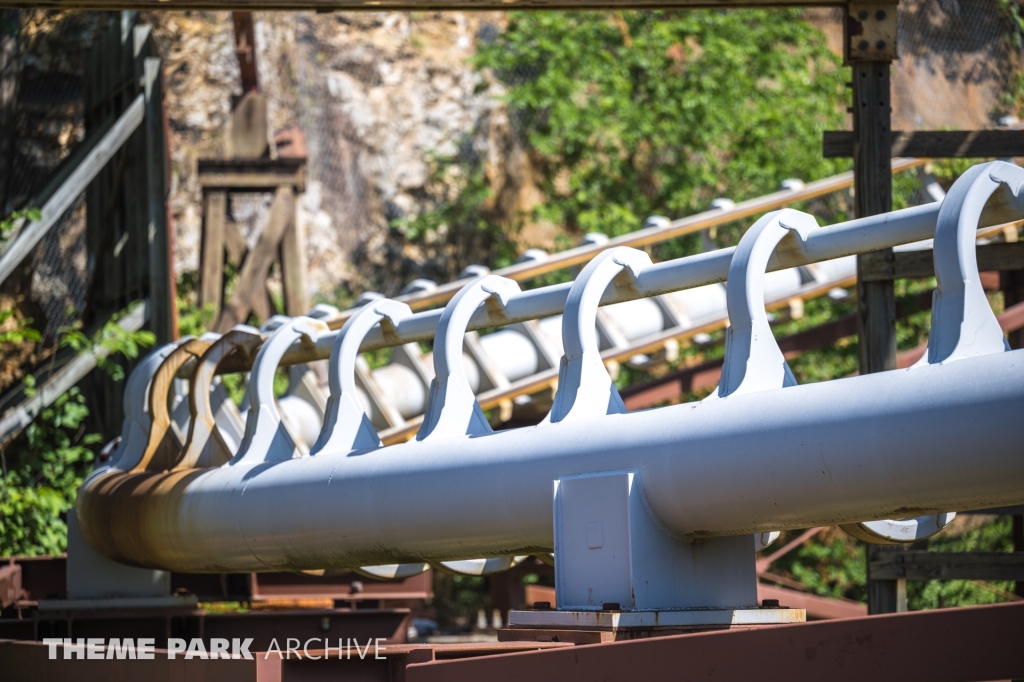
{"x":245,"y":49}
{"x":818,"y":608}
{"x":946,"y":645}
{"x":10,"y":584}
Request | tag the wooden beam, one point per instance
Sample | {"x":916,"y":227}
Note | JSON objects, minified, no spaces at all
{"x":406,"y":5}
{"x":293,"y":269}
{"x":252,"y":279}
{"x":83,"y":174}
{"x":925,"y":565}
{"x":163,"y":306}
{"x":935,"y":144}
{"x":211,"y":261}
{"x":877,"y":267}
{"x":252,"y":175}
{"x":234,"y":243}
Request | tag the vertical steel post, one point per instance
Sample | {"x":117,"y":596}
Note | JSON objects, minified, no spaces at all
{"x":870,"y":32}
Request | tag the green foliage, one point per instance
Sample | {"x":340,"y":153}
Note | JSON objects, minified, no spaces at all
{"x":40,"y":481}
{"x":107,"y":343}
{"x":8,"y":223}
{"x":996,"y":536}
{"x":42,"y":471}
{"x":831,"y":564}
{"x":468,"y":184}
{"x":22,"y":330}
{"x":637,"y":113}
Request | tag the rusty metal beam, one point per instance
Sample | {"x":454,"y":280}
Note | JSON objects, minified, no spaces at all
{"x":10,"y":584}
{"x":947,"y":645}
{"x":818,"y":608}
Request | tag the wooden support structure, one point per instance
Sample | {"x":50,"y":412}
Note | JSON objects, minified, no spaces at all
{"x":925,"y":565}
{"x":877,"y":267}
{"x":128,"y":235}
{"x":280,"y":239}
{"x":935,"y":144}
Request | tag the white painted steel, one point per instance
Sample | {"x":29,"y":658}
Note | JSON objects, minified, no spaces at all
{"x":867,"y":447}
{"x":753,"y":361}
{"x":843,"y":239}
{"x":636,"y":319}
{"x":513,"y":353}
{"x":940,"y":436}
{"x":701,"y":303}
{"x":963,"y":324}
{"x":402,"y":389}
{"x":584,"y":387}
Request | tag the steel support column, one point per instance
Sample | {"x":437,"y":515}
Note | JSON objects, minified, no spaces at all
{"x":870,"y":46}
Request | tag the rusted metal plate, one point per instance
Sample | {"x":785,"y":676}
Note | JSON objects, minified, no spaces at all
{"x":307,"y":625}
{"x":947,"y":645}
{"x":10,"y":584}
{"x":817,"y":608}
{"x":29,"y":662}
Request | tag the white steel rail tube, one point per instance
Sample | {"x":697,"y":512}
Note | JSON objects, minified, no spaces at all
{"x":886,"y":445}
{"x":835,"y":241}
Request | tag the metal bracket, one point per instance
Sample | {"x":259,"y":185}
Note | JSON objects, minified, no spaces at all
{"x":870,"y":32}
{"x":584,"y":387}
{"x":346,"y":426}
{"x":205,"y":446}
{"x":610,"y":549}
{"x":963,"y":324}
{"x":753,"y":360}
{"x":266,"y":439}
{"x":164,"y":441}
{"x":135,"y":428}
{"x":452,"y":409}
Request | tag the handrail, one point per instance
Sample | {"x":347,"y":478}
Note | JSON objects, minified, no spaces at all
{"x":77,"y":181}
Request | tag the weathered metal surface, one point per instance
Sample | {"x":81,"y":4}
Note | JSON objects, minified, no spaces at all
{"x":10,"y":585}
{"x":978,"y":643}
{"x":491,"y":495}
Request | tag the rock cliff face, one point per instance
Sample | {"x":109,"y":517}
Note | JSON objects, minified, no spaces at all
{"x":377,"y":95}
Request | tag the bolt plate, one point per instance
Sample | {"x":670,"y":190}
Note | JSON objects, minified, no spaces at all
{"x":870,"y":32}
